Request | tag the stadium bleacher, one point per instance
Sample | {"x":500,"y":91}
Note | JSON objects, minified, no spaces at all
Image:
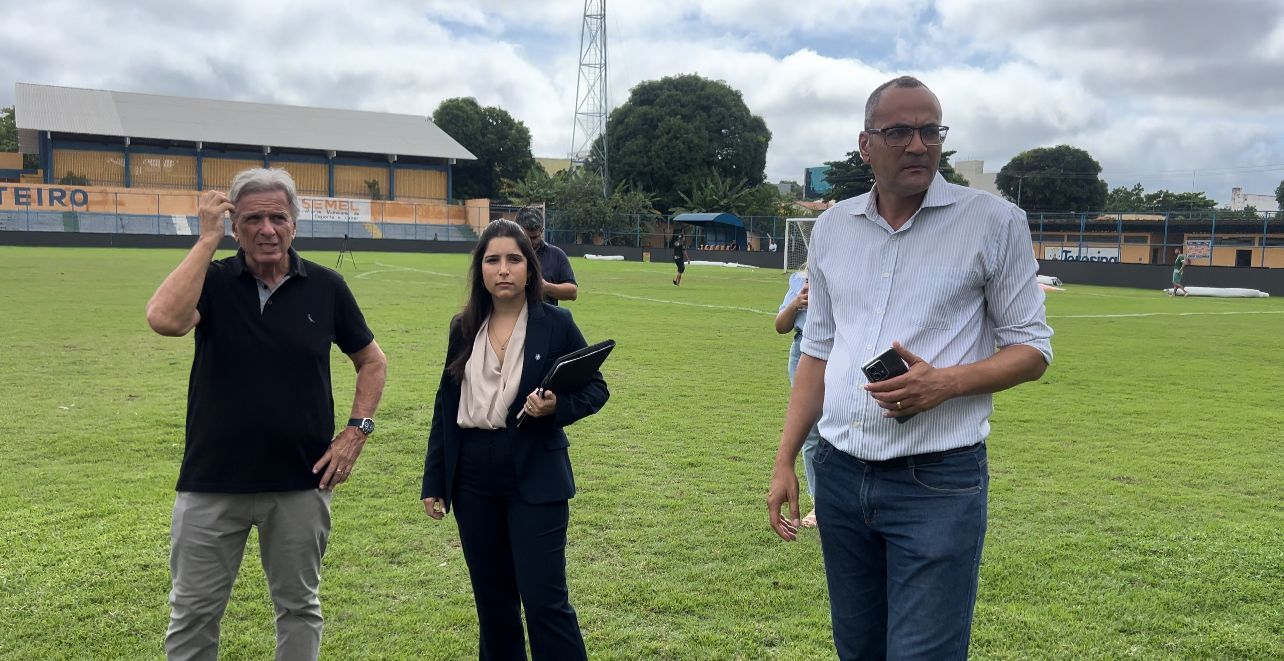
{"x":107,"y":223}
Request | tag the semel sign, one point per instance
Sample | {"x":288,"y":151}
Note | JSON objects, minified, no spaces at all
{"x":44,"y":197}
{"x":334,"y":209}
{"x":1081,"y":254}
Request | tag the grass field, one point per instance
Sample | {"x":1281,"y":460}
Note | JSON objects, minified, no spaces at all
{"x":1135,"y":508}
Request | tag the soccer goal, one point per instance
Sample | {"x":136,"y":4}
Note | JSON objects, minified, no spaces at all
{"x":797,"y":240}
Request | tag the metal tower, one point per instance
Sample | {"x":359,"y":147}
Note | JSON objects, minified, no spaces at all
{"x":590,"y":92}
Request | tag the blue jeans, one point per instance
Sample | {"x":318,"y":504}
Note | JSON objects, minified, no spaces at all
{"x":813,"y":436}
{"x":902,"y":549}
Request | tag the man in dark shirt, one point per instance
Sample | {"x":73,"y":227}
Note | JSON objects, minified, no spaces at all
{"x":559,"y":279}
{"x":680,"y":257}
{"x":260,"y":414}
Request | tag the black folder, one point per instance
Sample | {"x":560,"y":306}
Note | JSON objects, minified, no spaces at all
{"x":574,"y":370}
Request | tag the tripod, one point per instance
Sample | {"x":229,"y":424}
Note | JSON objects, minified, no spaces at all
{"x":344,"y":250}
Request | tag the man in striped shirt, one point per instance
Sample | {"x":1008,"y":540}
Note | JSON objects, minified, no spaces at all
{"x":945,"y":275}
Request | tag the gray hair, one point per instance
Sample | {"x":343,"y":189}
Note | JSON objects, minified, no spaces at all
{"x":877,"y":95}
{"x":264,"y":180}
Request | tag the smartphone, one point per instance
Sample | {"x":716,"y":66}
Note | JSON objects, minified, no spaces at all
{"x":885,"y":366}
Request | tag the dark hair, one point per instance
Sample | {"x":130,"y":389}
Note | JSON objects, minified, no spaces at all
{"x":877,"y":95}
{"x":530,"y":218}
{"x":479,"y":303}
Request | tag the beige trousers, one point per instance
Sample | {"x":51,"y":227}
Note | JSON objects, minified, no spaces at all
{"x":207,"y":540}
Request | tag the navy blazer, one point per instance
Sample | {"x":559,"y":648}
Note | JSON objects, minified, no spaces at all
{"x":543,"y":464}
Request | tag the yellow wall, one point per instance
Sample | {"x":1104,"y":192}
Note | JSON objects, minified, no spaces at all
{"x":102,"y":168}
{"x":350,"y":180}
{"x":217,"y":173}
{"x":421,"y":185}
{"x":309,"y":178}
{"x":162,"y":171}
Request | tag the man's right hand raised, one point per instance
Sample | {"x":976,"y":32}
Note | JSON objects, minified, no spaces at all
{"x":213,"y":204}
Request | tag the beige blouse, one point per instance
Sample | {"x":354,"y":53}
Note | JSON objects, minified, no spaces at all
{"x":489,"y":386}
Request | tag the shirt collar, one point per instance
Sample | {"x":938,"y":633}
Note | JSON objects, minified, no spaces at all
{"x":297,"y":268}
{"x":939,"y":194}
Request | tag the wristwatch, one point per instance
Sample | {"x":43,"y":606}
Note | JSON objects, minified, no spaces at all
{"x":366,"y":425}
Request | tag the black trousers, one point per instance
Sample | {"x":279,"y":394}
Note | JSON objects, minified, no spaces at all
{"x":516,"y":554}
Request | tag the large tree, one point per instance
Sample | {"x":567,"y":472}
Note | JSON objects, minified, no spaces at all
{"x":501,"y":144}
{"x":1279,"y":196}
{"x":9,"y":137}
{"x":677,"y":132}
{"x":852,"y":176}
{"x":1061,"y":178}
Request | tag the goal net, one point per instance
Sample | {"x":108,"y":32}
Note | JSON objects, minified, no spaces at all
{"x":797,"y":240}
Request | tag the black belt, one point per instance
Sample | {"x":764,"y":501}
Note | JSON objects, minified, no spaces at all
{"x":917,"y":459}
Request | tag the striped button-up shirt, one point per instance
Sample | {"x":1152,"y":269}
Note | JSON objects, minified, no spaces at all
{"x":953,"y":285}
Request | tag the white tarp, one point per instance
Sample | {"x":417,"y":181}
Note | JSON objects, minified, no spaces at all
{"x":733,"y":265}
{"x":1223,"y":292}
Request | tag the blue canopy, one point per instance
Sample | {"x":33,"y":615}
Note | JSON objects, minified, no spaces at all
{"x":721,"y":229}
{"x":713,"y":218}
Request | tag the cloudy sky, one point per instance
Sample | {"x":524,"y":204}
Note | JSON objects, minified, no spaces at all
{"x":1177,"y":94}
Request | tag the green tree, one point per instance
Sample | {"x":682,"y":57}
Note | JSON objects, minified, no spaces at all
{"x":537,"y":187}
{"x":852,"y":176}
{"x":580,"y":206}
{"x":9,"y":137}
{"x":684,"y":129}
{"x":8,"y":130}
{"x":1248,"y":213}
{"x":1061,"y":178}
{"x":765,"y":200}
{"x":713,"y":194}
{"x":1136,"y":198}
{"x":1126,"y":199}
{"x":1163,"y":200}
{"x":501,"y":144}
{"x":1279,"y":195}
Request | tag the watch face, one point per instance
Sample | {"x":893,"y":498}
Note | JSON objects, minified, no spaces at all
{"x":367,"y":425}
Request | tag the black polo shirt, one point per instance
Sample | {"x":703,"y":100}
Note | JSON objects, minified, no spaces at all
{"x":260,"y":409}
{"x":555,"y":266}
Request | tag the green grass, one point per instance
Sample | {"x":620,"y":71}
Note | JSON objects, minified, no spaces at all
{"x":1135,"y":504}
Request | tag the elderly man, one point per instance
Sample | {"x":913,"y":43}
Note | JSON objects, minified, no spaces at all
{"x":559,"y":279}
{"x":260,"y":414}
{"x":945,"y":275}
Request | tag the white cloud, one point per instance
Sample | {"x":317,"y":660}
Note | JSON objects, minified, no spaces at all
{"x":1149,"y":88}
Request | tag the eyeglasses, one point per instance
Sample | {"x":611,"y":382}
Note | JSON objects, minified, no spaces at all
{"x":900,"y":136}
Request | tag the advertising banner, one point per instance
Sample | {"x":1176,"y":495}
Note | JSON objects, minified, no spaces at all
{"x":334,"y":209}
{"x":1081,"y":253}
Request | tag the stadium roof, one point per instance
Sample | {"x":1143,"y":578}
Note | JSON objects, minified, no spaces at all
{"x":126,"y":114}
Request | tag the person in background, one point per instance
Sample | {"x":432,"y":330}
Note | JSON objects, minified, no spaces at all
{"x":793,"y":317}
{"x":261,"y":450}
{"x":509,"y":485}
{"x":1179,"y":270}
{"x":559,"y":278}
{"x":680,"y":257}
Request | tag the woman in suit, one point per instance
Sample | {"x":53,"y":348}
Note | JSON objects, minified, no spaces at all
{"x":509,"y":485}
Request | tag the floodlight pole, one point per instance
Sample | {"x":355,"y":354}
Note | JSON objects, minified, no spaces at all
{"x":589,"y":126}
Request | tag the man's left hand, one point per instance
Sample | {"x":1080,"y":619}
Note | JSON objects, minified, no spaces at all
{"x":921,"y":389}
{"x":337,"y":462}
